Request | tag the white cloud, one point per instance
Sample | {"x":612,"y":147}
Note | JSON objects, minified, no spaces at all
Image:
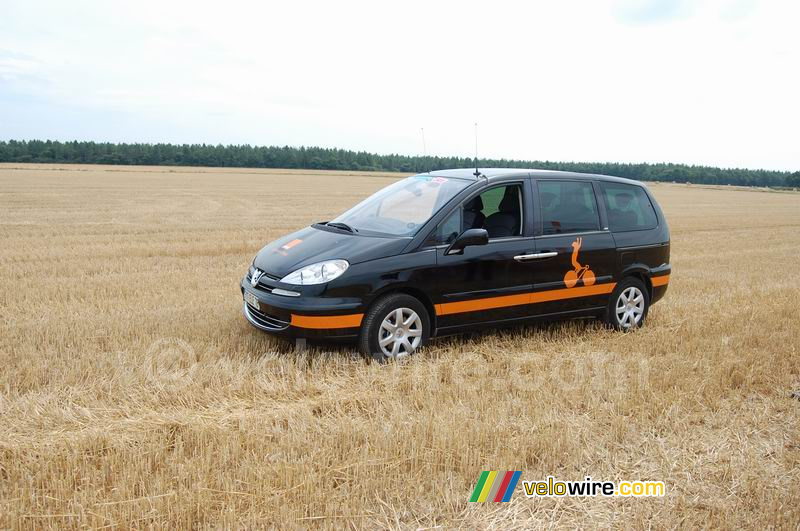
{"x":708,"y":82}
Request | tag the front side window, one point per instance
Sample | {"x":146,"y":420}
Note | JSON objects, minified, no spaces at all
{"x":628,"y":207}
{"x":568,"y":206}
{"x":402,"y":208}
{"x":498,"y":210}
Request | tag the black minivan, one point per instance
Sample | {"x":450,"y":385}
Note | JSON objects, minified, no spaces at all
{"x":453,"y":250}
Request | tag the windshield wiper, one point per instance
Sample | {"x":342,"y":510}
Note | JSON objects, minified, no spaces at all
{"x":340,"y":225}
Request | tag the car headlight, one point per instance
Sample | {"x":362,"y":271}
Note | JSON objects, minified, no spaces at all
{"x":318,"y":273}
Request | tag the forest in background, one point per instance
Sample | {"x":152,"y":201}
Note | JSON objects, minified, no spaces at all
{"x":317,"y":158}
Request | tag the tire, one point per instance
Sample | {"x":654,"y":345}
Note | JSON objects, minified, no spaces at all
{"x":623,"y":311}
{"x":379,"y":327}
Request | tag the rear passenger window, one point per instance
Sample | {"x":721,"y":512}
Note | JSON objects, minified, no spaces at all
{"x":568,"y":206}
{"x":628,"y":207}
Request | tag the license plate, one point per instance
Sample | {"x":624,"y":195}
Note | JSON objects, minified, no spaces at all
{"x":250,"y":299}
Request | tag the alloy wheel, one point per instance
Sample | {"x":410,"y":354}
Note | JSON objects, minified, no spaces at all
{"x":400,"y":333}
{"x":630,"y":307}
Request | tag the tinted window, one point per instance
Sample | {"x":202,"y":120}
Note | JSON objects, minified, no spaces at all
{"x":491,"y":200}
{"x":498,"y":210}
{"x":568,"y":206}
{"x":402,"y":208}
{"x":628,"y":207}
{"x":449,"y":229}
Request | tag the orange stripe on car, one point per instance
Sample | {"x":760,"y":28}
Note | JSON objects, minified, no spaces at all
{"x":474,"y":305}
{"x":535,"y":297}
{"x":327,"y":321}
{"x":482,"y":304}
{"x":660,"y":281}
{"x":571,"y":293}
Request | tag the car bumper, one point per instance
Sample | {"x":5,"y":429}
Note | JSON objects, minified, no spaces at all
{"x":660,"y":281}
{"x":304,"y":316}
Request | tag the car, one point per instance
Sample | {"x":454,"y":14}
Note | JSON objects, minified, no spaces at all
{"x":449,"y":251}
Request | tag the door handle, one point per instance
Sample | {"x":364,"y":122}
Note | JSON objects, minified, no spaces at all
{"x":535,"y":256}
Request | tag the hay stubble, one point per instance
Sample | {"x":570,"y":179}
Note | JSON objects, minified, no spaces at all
{"x":133,"y":392}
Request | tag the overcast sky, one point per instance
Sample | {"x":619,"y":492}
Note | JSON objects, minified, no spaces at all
{"x":698,"y":81}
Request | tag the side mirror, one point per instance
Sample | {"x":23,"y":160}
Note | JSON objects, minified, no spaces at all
{"x":468,"y":237}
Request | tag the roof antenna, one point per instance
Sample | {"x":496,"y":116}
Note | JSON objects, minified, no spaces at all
{"x":477,"y":171}
{"x":424,"y":148}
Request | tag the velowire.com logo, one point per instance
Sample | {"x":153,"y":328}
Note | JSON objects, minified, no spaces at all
{"x":494,"y":486}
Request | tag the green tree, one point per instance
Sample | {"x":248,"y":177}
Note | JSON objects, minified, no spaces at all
{"x":340,"y":159}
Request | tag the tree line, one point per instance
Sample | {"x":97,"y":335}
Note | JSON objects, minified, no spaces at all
{"x":247,"y":156}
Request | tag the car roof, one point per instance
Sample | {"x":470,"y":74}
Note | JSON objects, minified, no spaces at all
{"x":493,"y":174}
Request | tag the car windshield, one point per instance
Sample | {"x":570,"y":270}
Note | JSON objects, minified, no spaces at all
{"x":402,"y":208}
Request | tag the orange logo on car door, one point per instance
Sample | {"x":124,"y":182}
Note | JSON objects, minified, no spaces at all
{"x":581,"y":272}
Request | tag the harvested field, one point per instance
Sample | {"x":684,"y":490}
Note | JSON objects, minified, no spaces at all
{"x":133,"y":393}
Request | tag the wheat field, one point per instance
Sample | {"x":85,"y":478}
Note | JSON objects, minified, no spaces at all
{"x":134,"y":394}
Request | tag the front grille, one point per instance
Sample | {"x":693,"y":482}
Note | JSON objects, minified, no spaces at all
{"x":261,"y":285}
{"x":264,"y":320}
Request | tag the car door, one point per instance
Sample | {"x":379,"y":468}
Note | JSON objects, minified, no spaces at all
{"x":577,"y":273}
{"x":485,"y":283}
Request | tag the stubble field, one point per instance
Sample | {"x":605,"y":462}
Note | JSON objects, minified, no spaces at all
{"x":134,"y":394}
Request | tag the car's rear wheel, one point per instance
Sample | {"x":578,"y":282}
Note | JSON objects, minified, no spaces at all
{"x":396,"y":326}
{"x":628,"y":305}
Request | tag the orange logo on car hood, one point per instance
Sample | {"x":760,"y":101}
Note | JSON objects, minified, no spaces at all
{"x":291,"y":244}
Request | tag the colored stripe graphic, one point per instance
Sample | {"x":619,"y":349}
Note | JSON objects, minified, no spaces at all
{"x":660,"y":281}
{"x":487,"y":486}
{"x":535,"y":297}
{"x":494,"y":486}
{"x":512,"y":485}
{"x":498,"y":497}
{"x":327,"y":321}
{"x":498,"y":480}
{"x":486,"y":303}
{"x":479,"y":487}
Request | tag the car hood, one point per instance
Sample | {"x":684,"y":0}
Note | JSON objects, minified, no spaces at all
{"x":310,"y":245}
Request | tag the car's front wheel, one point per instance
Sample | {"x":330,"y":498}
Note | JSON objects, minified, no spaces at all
{"x":628,"y":305}
{"x":396,"y":326}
